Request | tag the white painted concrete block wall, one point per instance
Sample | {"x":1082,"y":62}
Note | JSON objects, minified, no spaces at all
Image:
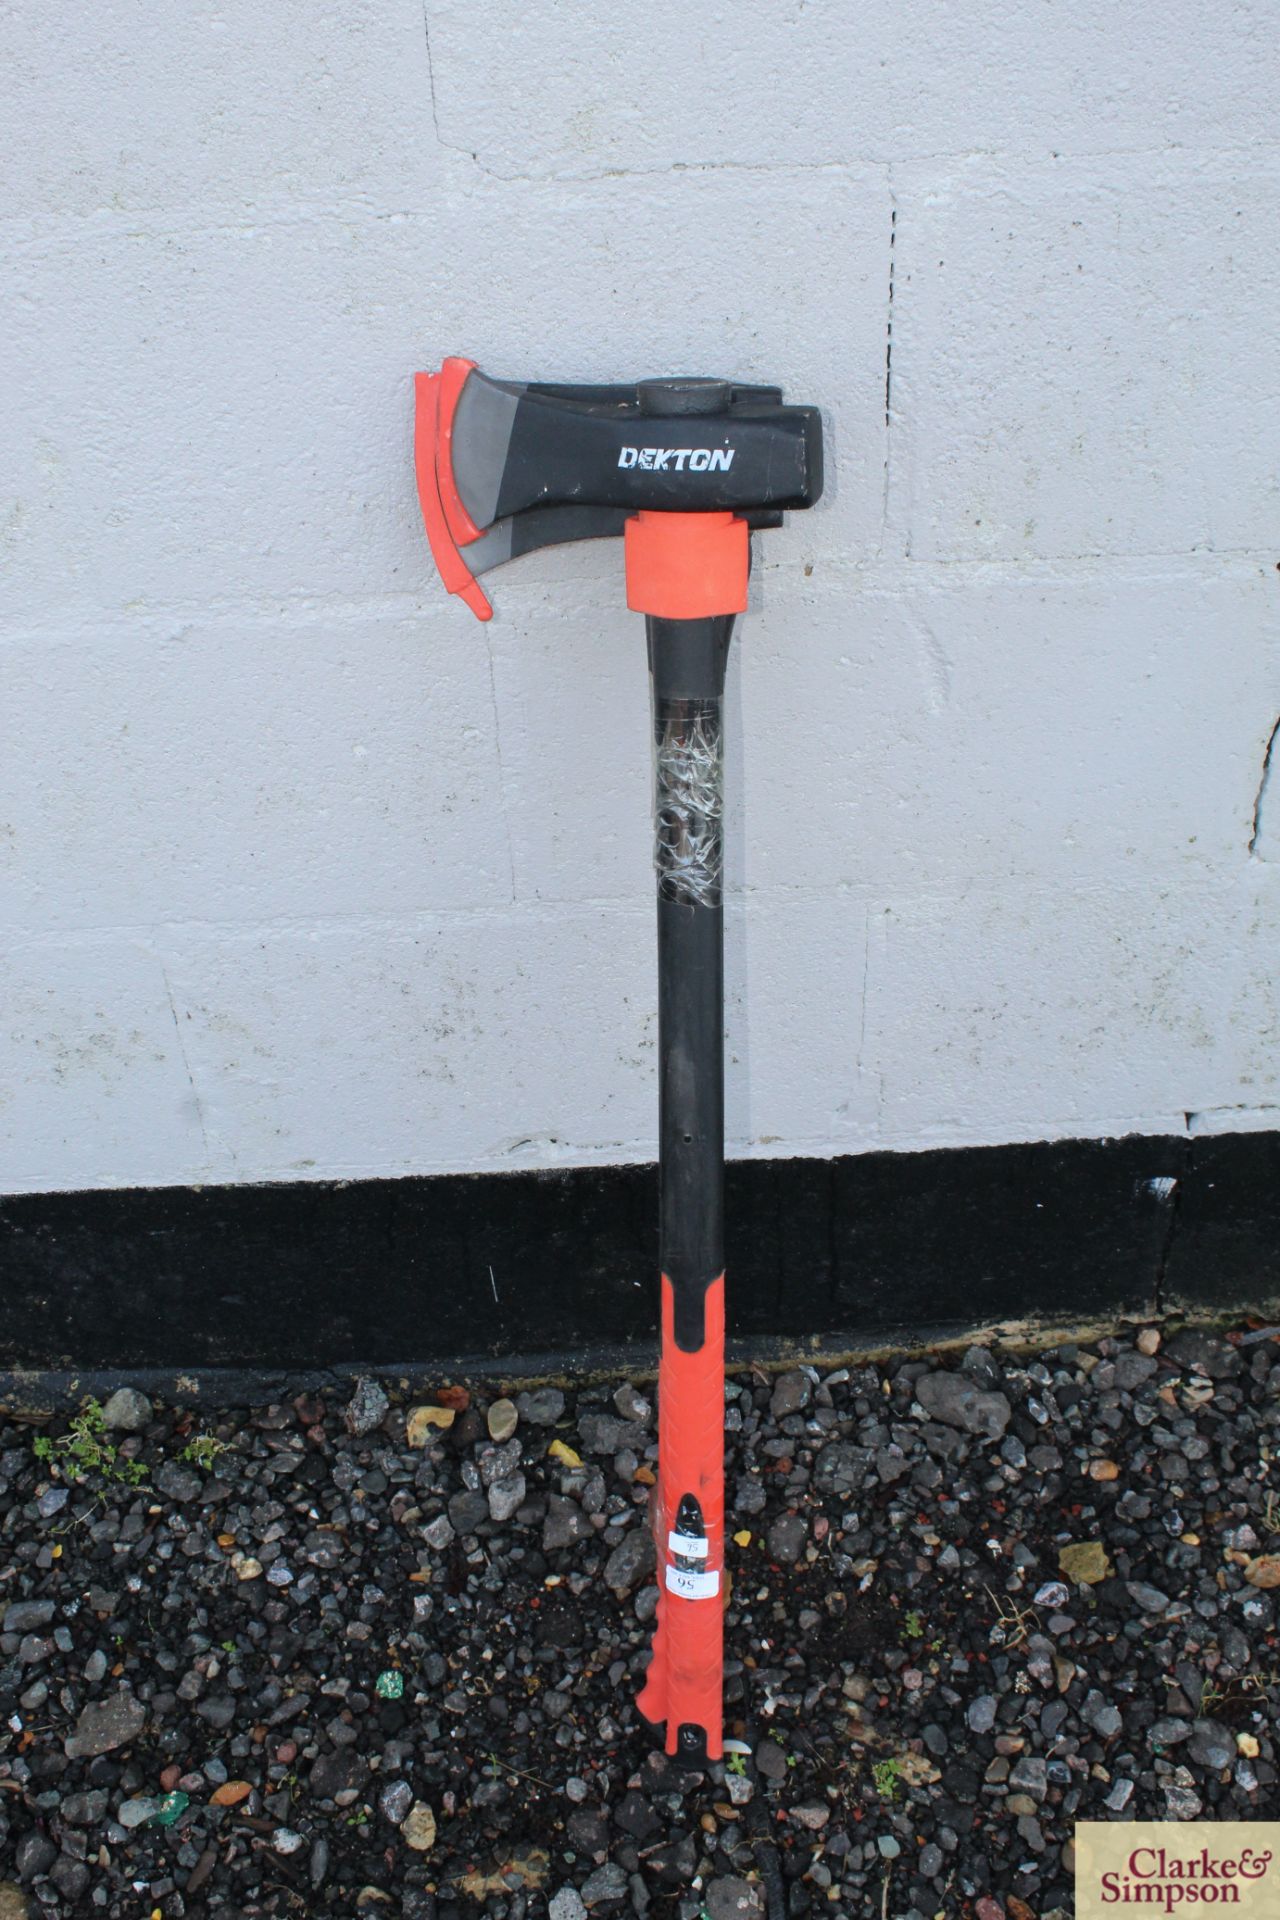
{"x":304,"y":874}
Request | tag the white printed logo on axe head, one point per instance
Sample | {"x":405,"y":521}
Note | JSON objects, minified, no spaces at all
{"x":659,"y":459}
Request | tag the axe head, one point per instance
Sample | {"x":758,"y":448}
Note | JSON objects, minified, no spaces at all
{"x":505,"y":466}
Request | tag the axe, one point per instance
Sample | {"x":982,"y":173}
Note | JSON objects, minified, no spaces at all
{"x":684,"y":470}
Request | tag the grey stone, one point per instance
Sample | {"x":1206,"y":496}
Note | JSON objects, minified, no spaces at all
{"x":84,"y":1809}
{"x":1169,"y":1731}
{"x":219,"y":1710}
{"x":631,"y":1561}
{"x":635,"y":1816}
{"x":1211,"y":1745}
{"x":792,"y":1392}
{"x":338,"y":1771}
{"x":566,"y":1905}
{"x":505,"y":1496}
{"x":1029,"y":1776}
{"x":395,"y":1801}
{"x":601,"y":1433}
{"x":786,"y":1538}
{"x":318,"y":1865}
{"x":35,"y":1854}
{"x":982,"y":1366}
{"x":1054,"y":1718}
{"x":439,"y":1533}
{"x":541,"y":1408}
{"x":366,"y":1409}
{"x":749,"y":1496}
{"x":1101,"y":1715}
{"x":1131,"y":1369}
{"x":589,"y":1832}
{"x":729,"y":1898}
{"x":954,"y":1399}
{"x":1150,"y":1599}
{"x":771,"y":1761}
{"x":606,"y":1884}
{"x":467,"y":1509}
{"x":177,"y":1482}
{"x":105,"y":1725}
{"x":1054,"y":1593}
{"x":812,"y":1815}
{"x":126,"y":1411}
{"x":25,"y":1616}
{"x":841,"y":1467}
{"x":930,"y":1861}
{"x":632,"y":1405}
{"x":499,"y":1463}
{"x":1120,"y":1795}
{"x":70,"y":1877}
{"x":1204,"y":1353}
{"x":961,"y":1782}
{"x":891,"y":1464}
{"x":565,"y":1523}
{"x":138,"y":1811}
{"x":946,"y":1443}
{"x":981,"y":1714}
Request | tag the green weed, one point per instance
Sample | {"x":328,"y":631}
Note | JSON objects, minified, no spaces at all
{"x":202,"y":1449}
{"x":84,"y":1452}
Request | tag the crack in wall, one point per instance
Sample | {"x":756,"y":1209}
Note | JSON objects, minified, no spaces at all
{"x":182,"y":1049}
{"x":1259,"y":799}
{"x":888,"y":347}
{"x":449,"y":146}
{"x":888,"y":369}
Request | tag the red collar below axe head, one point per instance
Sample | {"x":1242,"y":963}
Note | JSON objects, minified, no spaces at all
{"x":686,"y":468}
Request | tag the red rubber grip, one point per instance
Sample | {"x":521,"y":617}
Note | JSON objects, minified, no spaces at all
{"x":684,"y":1684}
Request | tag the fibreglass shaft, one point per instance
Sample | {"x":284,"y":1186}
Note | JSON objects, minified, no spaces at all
{"x":687,"y":666}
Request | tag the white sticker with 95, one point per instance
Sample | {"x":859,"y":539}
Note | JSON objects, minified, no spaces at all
{"x":688,"y":1585}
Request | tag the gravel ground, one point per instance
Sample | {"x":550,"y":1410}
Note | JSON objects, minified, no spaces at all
{"x":347,"y":1656}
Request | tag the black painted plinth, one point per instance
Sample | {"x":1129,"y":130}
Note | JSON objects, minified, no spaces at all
{"x":507,"y":1268}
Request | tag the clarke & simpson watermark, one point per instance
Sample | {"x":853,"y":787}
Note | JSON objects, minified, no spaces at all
{"x":1168,"y":1868}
